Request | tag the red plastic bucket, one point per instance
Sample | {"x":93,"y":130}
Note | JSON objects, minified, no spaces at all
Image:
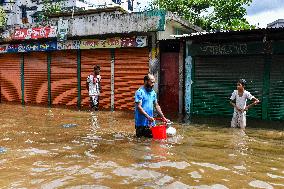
{"x":159,"y":132}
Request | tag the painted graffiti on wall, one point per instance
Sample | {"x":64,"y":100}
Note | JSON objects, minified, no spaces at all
{"x":35,"y":33}
{"x":225,"y":49}
{"x":139,"y":41}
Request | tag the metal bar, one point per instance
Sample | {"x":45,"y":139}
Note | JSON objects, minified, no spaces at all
{"x":23,"y":78}
{"x":192,"y":84}
{"x":79,"y":78}
{"x":112,"y":52}
{"x":49,"y":78}
{"x":188,"y":87}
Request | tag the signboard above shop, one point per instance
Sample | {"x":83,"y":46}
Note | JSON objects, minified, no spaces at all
{"x":34,"y":33}
{"x":116,"y":42}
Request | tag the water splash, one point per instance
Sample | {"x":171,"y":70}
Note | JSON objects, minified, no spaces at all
{"x":195,"y":175}
{"x":69,"y":125}
{"x":2,"y":150}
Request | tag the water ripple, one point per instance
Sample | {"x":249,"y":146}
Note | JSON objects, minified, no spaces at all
{"x":34,"y":151}
{"x":195,"y":175}
{"x":211,"y":165}
{"x":136,"y":174}
{"x":89,"y":187}
{"x":56,"y":183}
{"x":274,"y":176}
{"x":178,"y":165}
{"x":260,"y":184}
{"x":180,"y":185}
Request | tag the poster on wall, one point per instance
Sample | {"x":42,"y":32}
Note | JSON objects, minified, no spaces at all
{"x":62,"y":30}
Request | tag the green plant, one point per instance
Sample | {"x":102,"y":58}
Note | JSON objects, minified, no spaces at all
{"x":3,"y":18}
{"x":209,"y":14}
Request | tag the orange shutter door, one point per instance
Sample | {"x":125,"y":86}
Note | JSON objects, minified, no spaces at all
{"x":35,"y":74}
{"x":131,"y":65}
{"x":64,"y":90}
{"x":10,"y":77}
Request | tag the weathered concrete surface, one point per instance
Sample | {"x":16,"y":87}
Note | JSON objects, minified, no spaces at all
{"x":108,"y":23}
{"x":111,"y":21}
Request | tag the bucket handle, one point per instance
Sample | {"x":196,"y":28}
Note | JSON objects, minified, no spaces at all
{"x":157,"y":119}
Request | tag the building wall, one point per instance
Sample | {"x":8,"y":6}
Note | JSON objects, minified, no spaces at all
{"x":169,"y":30}
{"x":99,"y":23}
{"x":276,"y":24}
{"x":14,"y":15}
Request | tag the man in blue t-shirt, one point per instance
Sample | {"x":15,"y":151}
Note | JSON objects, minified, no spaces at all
{"x":145,"y":100}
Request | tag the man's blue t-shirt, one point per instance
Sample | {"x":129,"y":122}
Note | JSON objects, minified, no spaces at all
{"x":147,"y":100}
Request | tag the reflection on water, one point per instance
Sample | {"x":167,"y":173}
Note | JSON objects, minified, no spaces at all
{"x":59,"y":148}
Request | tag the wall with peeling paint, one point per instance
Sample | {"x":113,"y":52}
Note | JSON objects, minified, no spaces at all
{"x":111,"y":23}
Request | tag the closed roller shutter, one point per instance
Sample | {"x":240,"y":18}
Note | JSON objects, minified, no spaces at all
{"x":90,"y":58}
{"x":276,"y":93}
{"x":131,"y":65}
{"x":35,"y":73}
{"x":215,"y":80}
{"x":10,"y":77}
{"x":64,"y":78}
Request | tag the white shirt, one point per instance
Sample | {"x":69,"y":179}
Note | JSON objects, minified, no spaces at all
{"x":94,"y":84}
{"x":241,"y":102}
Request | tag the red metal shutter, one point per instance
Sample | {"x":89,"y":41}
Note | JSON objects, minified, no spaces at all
{"x":64,"y":78}
{"x":131,"y":65}
{"x":35,"y":74}
{"x":10,"y":77}
{"x":90,"y":58}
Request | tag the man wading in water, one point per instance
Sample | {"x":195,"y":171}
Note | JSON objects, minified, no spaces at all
{"x":145,"y":99}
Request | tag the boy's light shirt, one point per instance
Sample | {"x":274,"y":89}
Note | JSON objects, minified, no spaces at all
{"x":241,"y":102}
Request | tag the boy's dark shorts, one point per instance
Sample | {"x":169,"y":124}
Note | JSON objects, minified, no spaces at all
{"x":94,"y":102}
{"x":143,"y":131}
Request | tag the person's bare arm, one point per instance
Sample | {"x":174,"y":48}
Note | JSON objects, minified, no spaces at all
{"x":159,"y":110}
{"x":142,"y":111}
{"x":255,"y":101}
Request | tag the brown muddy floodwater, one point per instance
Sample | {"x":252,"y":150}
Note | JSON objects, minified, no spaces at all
{"x":99,"y":150}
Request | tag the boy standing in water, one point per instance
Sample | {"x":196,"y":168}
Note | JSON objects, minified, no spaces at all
{"x":238,"y":101}
{"x":93,"y":85}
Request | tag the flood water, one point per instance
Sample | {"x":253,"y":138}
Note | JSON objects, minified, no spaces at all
{"x":60,"y":148}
